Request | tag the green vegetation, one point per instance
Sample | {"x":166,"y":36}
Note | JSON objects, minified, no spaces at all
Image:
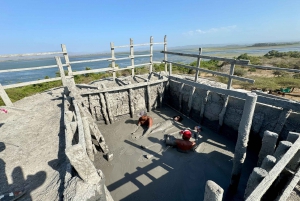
{"x":272,"y":44}
{"x":274,"y":53}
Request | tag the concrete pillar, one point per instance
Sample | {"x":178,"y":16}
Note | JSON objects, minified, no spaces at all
{"x":292,"y":137}
{"x":203,"y":103}
{"x":268,"y":163}
{"x":213,"y":192}
{"x":284,"y":115}
{"x":282,"y":148}
{"x":222,"y":113}
{"x":257,"y":175}
{"x":268,"y":146}
{"x":242,"y":141}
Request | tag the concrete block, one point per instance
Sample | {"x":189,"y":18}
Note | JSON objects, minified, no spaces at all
{"x":268,"y":145}
{"x":213,"y":192}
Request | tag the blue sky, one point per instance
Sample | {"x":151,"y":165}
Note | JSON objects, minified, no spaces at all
{"x":89,"y":26}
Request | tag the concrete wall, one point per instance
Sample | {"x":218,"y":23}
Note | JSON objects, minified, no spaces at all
{"x":265,"y":116}
{"x":118,"y":102}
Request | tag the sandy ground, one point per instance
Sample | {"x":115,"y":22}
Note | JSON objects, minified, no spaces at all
{"x":32,"y":147}
{"x":169,"y":174}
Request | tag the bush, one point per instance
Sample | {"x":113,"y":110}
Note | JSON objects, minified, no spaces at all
{"x":252,"y":69}
{"x":296,"y":76}
{"x":239,"y":72}
{"x":279,"y":73}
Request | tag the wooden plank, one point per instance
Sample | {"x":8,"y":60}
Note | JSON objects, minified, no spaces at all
{"x":132,"y":56}
{"x":265,"y":184}
{"x":113,"y":63}
{"x":143,"y":44}
{"x":237,"y":62}
{"x":165,"y":52}
{"x":91,"y":60}
{"x":126,"y":87}
{"x":65,"y":53}
{"x":31,"y":68}
{"x":61,"y":70}
{"x":198,"y":65}
{"x":237,"y":94}
{"x":231,"y":74}
{"x":92,"y":71}
{"x":214,"y":72}
{"x":5,"y":97}
{"x":29,"y":54}
{"x":29,"y":83}
{"x":272,"y":68}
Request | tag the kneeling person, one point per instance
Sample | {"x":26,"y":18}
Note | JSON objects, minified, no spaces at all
{"x":183,"y":145}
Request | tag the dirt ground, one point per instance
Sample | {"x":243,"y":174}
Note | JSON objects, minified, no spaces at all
{"x":168,"y":174}
{"x":32,"y":147}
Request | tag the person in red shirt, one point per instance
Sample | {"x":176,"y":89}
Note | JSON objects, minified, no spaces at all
{"x":183,"y":145}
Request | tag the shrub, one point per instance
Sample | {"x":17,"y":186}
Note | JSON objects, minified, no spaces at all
{"x":239,"y":72}
{"x":252,"y":69}
{"x":296,"y":76}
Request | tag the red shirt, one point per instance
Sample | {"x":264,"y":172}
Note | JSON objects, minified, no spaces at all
{"x":184,"y":145}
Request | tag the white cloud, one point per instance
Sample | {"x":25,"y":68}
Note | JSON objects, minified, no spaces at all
{"x":212,"y":30}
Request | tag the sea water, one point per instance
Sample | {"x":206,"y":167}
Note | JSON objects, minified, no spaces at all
{"x":31,"y":75}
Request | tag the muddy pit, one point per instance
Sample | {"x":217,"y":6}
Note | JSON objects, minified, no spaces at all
{"x":160,"y":172}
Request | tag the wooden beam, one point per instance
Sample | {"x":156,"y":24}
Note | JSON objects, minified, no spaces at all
{"x":26,"y":69}
{"x":132,"y":56}
{"x":5,"y":97}
{"x":165,"y":53}
{"x":113,"y":63}
{"x":151,"y":54}
{"x":143,"y":44}
{"x":65,"y":53}
{"x":29,"y":54}
{"x":214,"y":72}
{"x":198,"y":65}
{"x":231,"y":74}
{"x":91,"y":60}
{"x":92,"y":71}
{"x":126,"y":87}
{"x":29,"y":83}
{"x":238,"y":62}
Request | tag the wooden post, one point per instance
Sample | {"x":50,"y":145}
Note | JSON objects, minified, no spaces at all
{"x":5,"y":97}
{"x":198,"y":65}
{"x":65,"y":53}
{"x":165,"y":54}
{"x":113,"y":63}
{"x":231,"y":73}
{"x":61,"y":70}
{"x":132,"y":57}
{"x":151,"y":54}
{"x":242,"y":141}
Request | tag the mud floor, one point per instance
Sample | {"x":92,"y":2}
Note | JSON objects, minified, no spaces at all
{"x":165,"y":174}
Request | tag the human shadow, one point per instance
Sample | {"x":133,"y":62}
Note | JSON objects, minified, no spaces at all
{"x":131,"y":121}
{"x":1,"y":124}
{"x":19,"y":183}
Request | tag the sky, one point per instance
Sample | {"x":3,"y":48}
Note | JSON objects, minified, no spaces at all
{"x":89,"y":26}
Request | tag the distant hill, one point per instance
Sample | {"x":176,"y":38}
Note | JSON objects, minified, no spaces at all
{"x":273,"y":44}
